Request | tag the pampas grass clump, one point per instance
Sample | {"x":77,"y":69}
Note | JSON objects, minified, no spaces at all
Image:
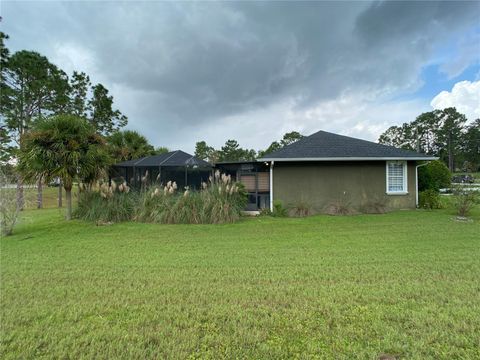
{"x":154,"y":204}
{"x":106,"y":203}
{"x":219,"y":201}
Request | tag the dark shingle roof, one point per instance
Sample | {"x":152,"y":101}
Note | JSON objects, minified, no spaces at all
{"x":327,"y":146}
{"x":173,"y":158}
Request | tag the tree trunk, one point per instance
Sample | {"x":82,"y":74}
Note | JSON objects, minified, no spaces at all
{"x":39,"y":193}
{"x":20,"y":198}
{"x":60,"y":194}
{"x":68,"y":196}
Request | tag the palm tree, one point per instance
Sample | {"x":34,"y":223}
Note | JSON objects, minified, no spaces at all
{"x":64,"y":146}
{"x":161,"y":150}
{"x":128,"y":144}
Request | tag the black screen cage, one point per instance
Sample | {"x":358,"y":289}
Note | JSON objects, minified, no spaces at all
{"x":176,"y":166}
{"x":255,"y":177}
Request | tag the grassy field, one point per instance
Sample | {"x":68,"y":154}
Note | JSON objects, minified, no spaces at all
{"x":50,"y":197}
{"x":405,"y":284}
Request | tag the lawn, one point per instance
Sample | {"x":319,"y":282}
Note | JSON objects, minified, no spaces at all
{"x":404,"y":283}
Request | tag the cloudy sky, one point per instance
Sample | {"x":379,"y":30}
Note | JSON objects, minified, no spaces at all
{"x":251,"y":71}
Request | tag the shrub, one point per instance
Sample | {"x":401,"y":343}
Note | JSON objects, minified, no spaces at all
{"x":106,"y":204}
{"x":434,"y":176}
{"x":300,"y":209}
{"x":376,"y":206}
{"x":429,"y":199}
{"x":465,"y":200}
{"x":342,"y":206}
{"x":339,"y":208}
{"x":278,"y":209}
{"x":9,"y":210}
{"x":265,"y":212}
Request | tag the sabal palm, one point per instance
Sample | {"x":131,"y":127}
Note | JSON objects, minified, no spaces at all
{"x":64,"y":146}
{"x":128,"y":145}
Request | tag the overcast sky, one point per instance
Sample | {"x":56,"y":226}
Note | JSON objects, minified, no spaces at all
{"x":251,"y":71}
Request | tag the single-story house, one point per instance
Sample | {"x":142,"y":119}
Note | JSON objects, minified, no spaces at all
{"x":325,"y":168}
{"x":178,"y":166}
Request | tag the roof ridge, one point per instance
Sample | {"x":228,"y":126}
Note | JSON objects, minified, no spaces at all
{"x":136,"y":162}
{"x":358,"y":139}
{"x":174,"y":152}
{"x":324,"y":144}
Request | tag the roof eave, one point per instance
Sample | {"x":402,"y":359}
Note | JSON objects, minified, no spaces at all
{"x":364,"y":158}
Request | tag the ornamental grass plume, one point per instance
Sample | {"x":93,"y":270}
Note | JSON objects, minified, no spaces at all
{"x":156,"y":192}
{"x":123,"y":187}
{"x":106,"y":191}
{"x":126,"y":188}
{"x":145,"y":177}
{"x":170,"y":188}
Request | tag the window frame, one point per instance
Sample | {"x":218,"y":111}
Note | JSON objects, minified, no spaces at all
{"x":404,"y":191}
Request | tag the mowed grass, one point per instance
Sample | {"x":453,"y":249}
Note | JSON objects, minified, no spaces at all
{"x":405,"y":283}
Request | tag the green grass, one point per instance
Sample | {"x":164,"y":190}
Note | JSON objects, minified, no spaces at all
{"x":405,"y":283}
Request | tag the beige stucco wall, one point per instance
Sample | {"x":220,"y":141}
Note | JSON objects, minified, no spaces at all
{"x":321,"y":183}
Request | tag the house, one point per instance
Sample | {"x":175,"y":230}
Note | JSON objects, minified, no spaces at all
{"x":179,"y":166}
{"x":325,"y":168}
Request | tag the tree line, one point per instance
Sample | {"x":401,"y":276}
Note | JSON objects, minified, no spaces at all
{"x":443,"y":133}
{"x":232,"y":151}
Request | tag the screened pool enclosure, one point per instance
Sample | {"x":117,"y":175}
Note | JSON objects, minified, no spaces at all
{"x":178,"y":166}
{"x":254,"y":176}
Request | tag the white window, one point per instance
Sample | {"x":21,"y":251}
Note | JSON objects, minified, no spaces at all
{"x":397,"y":177}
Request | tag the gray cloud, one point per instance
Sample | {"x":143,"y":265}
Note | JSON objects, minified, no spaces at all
{"x":190,"y":66}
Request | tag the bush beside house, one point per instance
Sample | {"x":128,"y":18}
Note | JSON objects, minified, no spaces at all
{"x":434,"y":176}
